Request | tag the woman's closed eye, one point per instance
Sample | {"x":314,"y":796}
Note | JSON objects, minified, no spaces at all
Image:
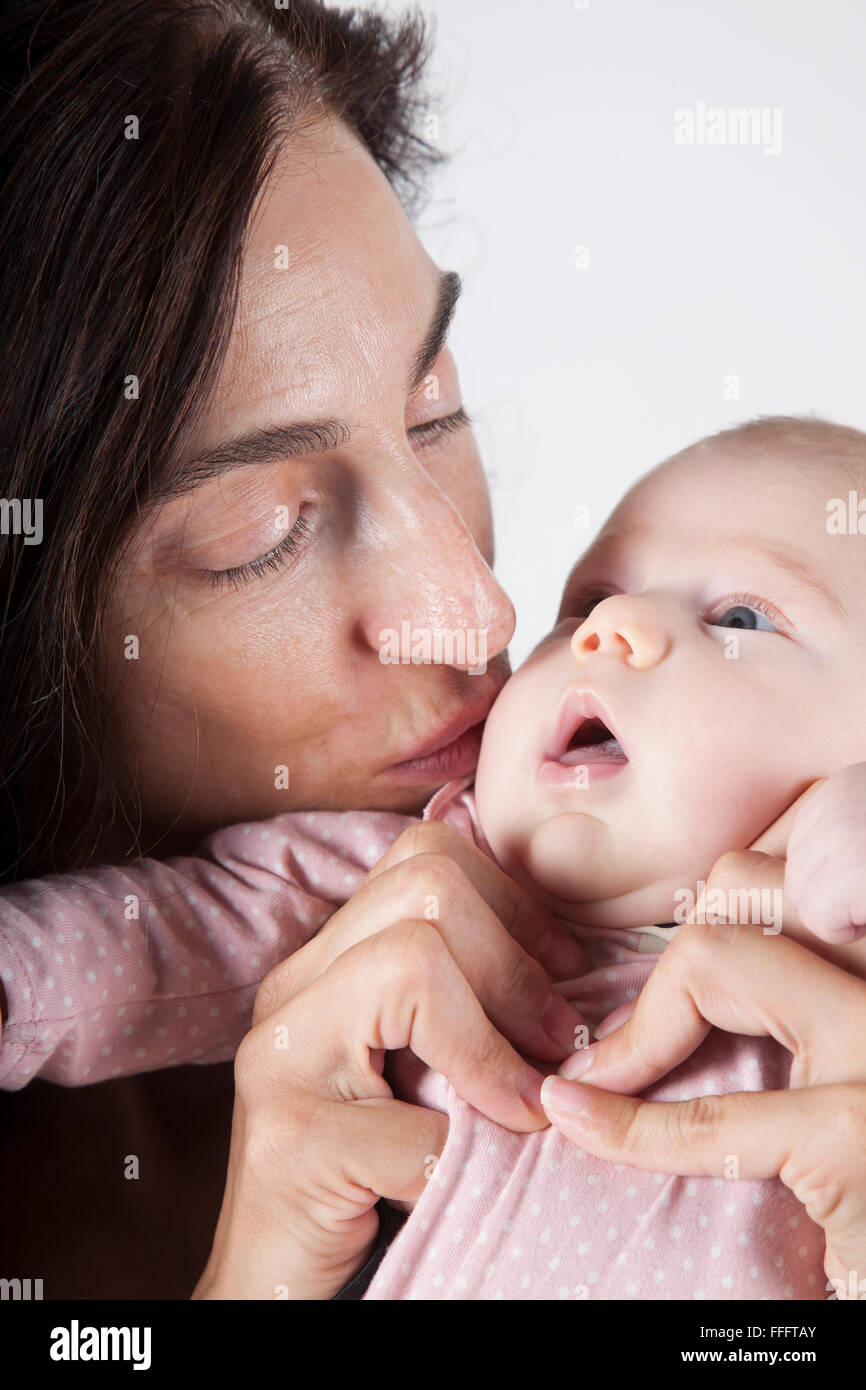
{"x":433,"y":430}
{"x":272,"y":561}
{"x":278,"y":556}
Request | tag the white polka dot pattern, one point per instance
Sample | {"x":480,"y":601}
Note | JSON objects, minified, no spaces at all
{"x":168,"y":956}
{"x":534,"y":1217}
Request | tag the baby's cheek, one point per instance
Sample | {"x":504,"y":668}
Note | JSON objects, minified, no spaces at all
{"x":729,"y":794}
{"x":494,"y":798}
{"x":506,"y":796}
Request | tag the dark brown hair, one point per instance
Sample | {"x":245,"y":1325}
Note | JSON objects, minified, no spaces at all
{"x":121,"y":256}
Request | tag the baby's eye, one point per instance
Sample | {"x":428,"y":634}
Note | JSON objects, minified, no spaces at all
{"x":584,"y":603}
{"x":742,"y":616}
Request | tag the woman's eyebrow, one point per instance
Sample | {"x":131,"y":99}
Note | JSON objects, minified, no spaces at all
{"x":446,"y":301}
{"x":266,"y":445}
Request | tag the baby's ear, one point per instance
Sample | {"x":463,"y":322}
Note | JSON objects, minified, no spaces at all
{"x":774,"y":840}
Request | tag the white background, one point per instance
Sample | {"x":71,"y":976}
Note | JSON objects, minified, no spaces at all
{"x":705,"y":262}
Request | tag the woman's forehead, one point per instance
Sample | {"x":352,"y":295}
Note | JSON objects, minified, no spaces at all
{"x":333,"y":281}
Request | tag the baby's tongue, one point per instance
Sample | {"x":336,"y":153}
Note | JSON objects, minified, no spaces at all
{"x":600,"y":752}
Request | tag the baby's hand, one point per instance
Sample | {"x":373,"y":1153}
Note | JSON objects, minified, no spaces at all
{"x":825,"y":872}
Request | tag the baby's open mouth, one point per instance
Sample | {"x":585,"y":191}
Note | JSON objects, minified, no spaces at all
{"x":583,"y":739}
{"x":592,"y":741}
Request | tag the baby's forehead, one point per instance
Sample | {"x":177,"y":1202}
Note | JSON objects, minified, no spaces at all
{"x":725,"y":496}
{"x":716,"y":484}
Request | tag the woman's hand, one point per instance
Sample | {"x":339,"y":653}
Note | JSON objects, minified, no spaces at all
{"x":809,"y":995}
{"x":507,"y":945}
{"x":317,"y":1137}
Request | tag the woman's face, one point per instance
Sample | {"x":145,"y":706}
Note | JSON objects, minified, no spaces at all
{"x":262,"y":597}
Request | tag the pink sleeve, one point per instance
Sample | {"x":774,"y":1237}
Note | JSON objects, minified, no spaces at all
{"x":120,"y":970}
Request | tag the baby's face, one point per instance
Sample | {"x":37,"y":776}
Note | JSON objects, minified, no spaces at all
{"x":708,"y":663}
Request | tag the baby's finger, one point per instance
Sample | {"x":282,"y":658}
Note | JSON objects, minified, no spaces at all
{"x":774,"y":840}
{"x":805,"y":859}
{"x":832,"y":902}
{"x":811,"y":809}
{"x":824,"y":874}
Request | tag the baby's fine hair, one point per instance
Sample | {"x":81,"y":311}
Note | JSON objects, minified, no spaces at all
{"x":803,"y":437}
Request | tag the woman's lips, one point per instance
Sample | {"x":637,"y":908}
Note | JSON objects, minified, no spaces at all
{"x":585,"y":748}
{"x":456,"y":759}
{"x":452,"y":752}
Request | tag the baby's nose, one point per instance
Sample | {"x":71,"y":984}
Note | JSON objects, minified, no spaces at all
{"x":623,"y":626}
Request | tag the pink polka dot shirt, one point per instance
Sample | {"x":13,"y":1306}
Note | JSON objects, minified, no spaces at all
{"x":120,"y":970}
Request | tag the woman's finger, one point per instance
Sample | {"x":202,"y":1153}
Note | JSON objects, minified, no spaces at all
{"x":510,"y":985}
{"x":303,"y":1180}
{"x":386,"y":1147}
{"x":738,"y":979}
{"x":397,"y":988}
{"x":524,"y":918}
{"x":747,"y":886}
{"x":694,"y":1138}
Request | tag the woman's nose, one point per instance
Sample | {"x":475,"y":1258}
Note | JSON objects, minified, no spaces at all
{"x":430,"y":578}
{"x":626,"y":626}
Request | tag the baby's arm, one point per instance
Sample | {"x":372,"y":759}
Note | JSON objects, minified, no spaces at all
{"x":120,"y":970}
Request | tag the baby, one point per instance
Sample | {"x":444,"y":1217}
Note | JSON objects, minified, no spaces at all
{"x":677,"y":708}
{"x":706,"y":667}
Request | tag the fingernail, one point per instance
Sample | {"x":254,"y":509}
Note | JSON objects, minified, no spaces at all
{"x":579,"y":1064}
{"x":560,"y":1022}
{"x":604,"y":1028}
{"x":562,"y":957}
{"x":563,"y":1096}
{"x":614,"y":1020}
{"x":530,"y":1088}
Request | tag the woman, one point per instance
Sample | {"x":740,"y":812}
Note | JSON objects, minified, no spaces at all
{"x":226,"y":379}
{"x":252,"y":458}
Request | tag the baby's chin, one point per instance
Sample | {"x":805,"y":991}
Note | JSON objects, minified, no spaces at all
{"x":574,"y":865}
{"x":637,"y":907}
